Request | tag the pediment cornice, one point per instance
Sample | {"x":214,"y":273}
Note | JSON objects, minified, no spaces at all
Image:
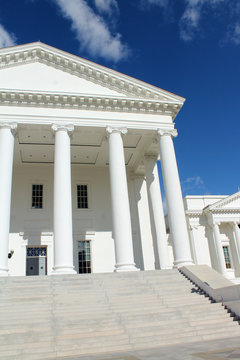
{"x":219,"y":206}
{"x":86,"y":102}
{"x":39,"y":52}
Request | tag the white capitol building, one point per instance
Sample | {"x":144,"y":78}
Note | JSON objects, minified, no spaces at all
{"x":79,"y":186}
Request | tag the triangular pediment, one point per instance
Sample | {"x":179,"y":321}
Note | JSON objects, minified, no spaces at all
{"x":44,"y":78}
{"x":229,"y":202}
{"x":40,"y":67}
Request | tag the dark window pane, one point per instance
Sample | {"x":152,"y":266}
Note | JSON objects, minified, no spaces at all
{"x":82,"y":197}
{"x":37,"y":196}
{"x":227,"y":257}
{"x":84,"y":257}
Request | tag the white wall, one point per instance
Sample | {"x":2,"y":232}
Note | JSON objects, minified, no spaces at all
{"x":35,"y":226}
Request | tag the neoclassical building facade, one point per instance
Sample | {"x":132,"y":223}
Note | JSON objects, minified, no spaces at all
{"x":79,"y":184}
{"x":213,"y":223}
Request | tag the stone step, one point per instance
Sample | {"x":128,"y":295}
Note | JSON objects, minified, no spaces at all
{"x":50,"y":317}
{"x":156,"y":301}
{"x":217,"y":320}
{"x":78,"y":324}
{"x":184,"y":329}
{"x":182,"y":337}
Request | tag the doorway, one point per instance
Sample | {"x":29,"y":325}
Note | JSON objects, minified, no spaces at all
{"x":36,"y":260}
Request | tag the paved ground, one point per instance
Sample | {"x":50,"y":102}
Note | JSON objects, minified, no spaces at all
{"x":208,"y":350}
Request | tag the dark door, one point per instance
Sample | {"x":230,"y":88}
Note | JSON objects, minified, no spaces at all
{"x":32,"y":266}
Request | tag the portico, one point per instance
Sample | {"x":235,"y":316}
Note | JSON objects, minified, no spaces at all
{"x":82,"y":136}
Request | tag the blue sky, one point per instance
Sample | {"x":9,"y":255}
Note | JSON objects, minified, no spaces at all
{"x":188,"y":47}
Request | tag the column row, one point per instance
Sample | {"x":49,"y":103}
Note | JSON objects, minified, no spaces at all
{"x":221,"y":263}
{"x":122,"y":232}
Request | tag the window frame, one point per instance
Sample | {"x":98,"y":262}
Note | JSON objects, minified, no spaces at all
{"x":45,"y":195}
{"x":224,"y":245}
{"x":82,"y":199}
{"x":37,"y":197}
{"x":75,"y":196}
{"x":90,"y":253}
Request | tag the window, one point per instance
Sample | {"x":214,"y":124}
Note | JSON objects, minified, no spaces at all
{"x":37,"y":196}
{"x":227,"y":257}
{"x":82,"y":196}
{"x":84,"y":257}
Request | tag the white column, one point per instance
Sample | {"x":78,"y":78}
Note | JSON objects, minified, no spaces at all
{"x":219,"y":248}
{"x":176,"y":213}
{"x":7,"y":132}
{"x":146,"y":248}
{"x":62,"y":203}
{"x":122,"y":231}
{"x":192,"y":240}
{"x":155,"y":201}
{"x":237,"y":236}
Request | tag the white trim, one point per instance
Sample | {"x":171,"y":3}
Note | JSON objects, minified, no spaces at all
{"x":74,"y":191}
{"x":45,"y":195}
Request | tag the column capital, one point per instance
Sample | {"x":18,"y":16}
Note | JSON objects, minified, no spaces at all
{"x":119,"y":130}
{"x":168,"y":132}
{"x":68,"y":128}
{"x":11,"y":126}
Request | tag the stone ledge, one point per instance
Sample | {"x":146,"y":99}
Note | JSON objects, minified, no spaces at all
{"x":215,"y":286}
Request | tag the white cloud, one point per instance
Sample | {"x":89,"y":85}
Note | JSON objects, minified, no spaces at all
{"x":6,"y":39}
{"x":195,"y":181}
{"x":106,"y":6}
{"x":92,"y":31}
{"x":193,"y":185}
{"x":234,"y":35}
{"x":189,"y":22}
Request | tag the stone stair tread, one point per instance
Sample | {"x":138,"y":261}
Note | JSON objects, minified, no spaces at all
{"x":51,"y":317}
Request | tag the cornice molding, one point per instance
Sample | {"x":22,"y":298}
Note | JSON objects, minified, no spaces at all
{"x":193,"y":213}
{"x":225,"y":211}
{"x":86,"y":102}
{"x":226,"y":200}
{"x":39,"y":52}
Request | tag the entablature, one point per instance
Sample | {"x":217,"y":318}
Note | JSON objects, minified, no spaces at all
{"x":86,"y":102}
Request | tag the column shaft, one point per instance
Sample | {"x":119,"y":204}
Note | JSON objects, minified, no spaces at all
{"x":122,"y":232}
{"x":237,"y":237}
{"x":62,"y":217}
{"x":155,"y":201}
{"x":176,"y":214}
{"x":192,"y":240}
{"x":221,"y":260}
{"x":6,"y":165}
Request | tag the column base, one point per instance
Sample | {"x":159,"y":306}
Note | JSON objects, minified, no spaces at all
{"x":63,"y":270}
{"x":167,"y":267}
{"x":4,"y":272}
{"x":183,"y":262}
{"x":125,"y":267}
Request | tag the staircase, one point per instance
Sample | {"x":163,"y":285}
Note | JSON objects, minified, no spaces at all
{"x":56,"y":316}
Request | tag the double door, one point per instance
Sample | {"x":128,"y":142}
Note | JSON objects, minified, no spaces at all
{"x":36,"y":260}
